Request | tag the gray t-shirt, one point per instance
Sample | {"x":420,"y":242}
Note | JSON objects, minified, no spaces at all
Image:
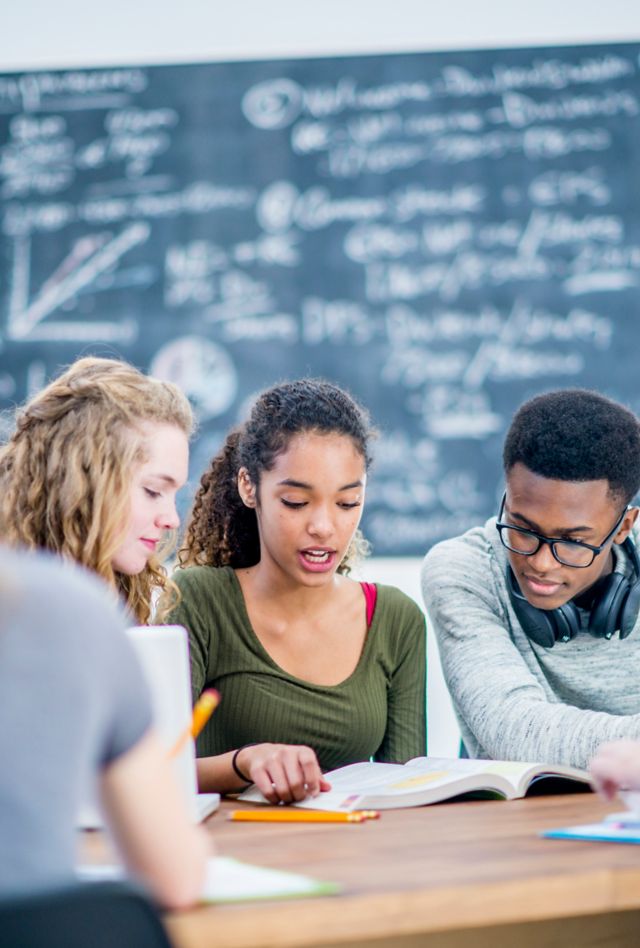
{"x":72,"y":699}
{"x":516,"y":700}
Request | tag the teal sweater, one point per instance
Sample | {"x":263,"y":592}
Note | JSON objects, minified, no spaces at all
{"x":378,"y":711}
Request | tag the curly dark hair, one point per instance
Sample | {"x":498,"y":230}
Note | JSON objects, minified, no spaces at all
{"x":222,"y":531}
{"x":577,"y":435}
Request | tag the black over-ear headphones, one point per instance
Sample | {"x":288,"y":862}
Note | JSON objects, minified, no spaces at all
{"x":616,"y":606}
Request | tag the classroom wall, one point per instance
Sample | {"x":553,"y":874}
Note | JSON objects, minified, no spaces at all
{"x":77,"y":33}
{"x":91,"y":34}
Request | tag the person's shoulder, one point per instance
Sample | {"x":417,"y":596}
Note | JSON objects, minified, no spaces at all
{"x":473,"y":542}
{"x":395,"y":599}
{"x":400,"y":624}
{"x":192,"y":579}
{"x":398,"y":611}
{"x":470,"y":554}
{"x":25,"y":571}
{"x":208,"y":595}
{"x":43,"y":589}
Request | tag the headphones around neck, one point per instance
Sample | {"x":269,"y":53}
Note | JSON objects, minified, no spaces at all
{"x":615,"y":607}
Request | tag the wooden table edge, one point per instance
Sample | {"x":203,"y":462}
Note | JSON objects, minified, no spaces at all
{"x":354,"y":917}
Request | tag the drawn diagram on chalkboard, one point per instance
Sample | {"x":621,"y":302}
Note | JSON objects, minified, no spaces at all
{"x":89,"y":258}
{"x":443,"y":233}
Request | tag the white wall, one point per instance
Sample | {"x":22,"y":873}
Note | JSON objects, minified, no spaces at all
{"x":37,"y":33}
{"x":41,"y":34}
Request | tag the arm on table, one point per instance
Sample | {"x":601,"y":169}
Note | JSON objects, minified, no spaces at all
{"x":616,"y":767}
{"x":282,"y":772}
{"x":495,"y":693}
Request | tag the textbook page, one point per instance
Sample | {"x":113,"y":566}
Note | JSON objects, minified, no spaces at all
{"x":421,"y":781}
{"x":418,"y":782}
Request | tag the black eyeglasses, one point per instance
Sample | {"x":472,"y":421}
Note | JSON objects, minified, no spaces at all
{"x":568,"y":552}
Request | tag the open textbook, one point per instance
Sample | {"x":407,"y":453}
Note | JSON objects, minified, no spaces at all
{"x":425,"y":780}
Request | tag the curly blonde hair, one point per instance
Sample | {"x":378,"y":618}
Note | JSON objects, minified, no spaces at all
{"x":65,"y":473}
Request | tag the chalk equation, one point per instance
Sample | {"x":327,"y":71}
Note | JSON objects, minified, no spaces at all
{"x":445,"y":234}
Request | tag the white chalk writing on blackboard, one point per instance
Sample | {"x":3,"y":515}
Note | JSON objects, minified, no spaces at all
{"x":445,"y":234}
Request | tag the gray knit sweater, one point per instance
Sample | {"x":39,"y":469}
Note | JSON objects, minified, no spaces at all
{"x":516,"y":700}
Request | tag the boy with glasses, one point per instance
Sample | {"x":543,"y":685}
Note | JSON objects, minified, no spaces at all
{"x":536,"y":613}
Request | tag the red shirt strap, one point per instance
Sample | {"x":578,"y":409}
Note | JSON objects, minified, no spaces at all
{"x":370,"y":591}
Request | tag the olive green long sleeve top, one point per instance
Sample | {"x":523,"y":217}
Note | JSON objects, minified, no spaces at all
{"x":379,"y":711}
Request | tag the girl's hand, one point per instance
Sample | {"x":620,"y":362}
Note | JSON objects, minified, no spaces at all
{"x":283,"y":773}
{"x":616,"y":766}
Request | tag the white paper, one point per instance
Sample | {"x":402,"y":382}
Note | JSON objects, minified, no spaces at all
{"x":230,"y":880}
{"x":631,"y":799}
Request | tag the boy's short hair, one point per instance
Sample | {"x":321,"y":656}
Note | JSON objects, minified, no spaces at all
{"x":577,"y":435}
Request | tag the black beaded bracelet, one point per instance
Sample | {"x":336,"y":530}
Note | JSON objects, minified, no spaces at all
{"x":234,"y":764}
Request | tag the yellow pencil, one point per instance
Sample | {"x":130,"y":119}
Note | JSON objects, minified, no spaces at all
{"x":296,"y":816}
{"x":202,"y":711}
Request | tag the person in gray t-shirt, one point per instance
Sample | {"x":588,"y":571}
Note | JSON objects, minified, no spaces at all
{"x":536,"y":614}
{"x":75,"y":706}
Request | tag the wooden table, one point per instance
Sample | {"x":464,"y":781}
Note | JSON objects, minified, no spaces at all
{"x":462,"y":874}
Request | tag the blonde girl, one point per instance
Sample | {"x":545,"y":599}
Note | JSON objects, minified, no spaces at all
{"x":91,"y":473}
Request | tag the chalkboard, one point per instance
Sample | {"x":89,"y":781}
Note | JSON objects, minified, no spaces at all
{"x":445,"y":234}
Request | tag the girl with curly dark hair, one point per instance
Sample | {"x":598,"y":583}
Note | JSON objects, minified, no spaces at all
{"x":316,"y":670}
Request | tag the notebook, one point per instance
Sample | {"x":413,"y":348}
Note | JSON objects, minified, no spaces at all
{"x":231,"y":880}
{"x":615,"y":828}
{"x":163,"y":653}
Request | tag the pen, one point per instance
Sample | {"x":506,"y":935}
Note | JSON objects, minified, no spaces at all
{"x":202,"y":711}
{"x":301,"y":816}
